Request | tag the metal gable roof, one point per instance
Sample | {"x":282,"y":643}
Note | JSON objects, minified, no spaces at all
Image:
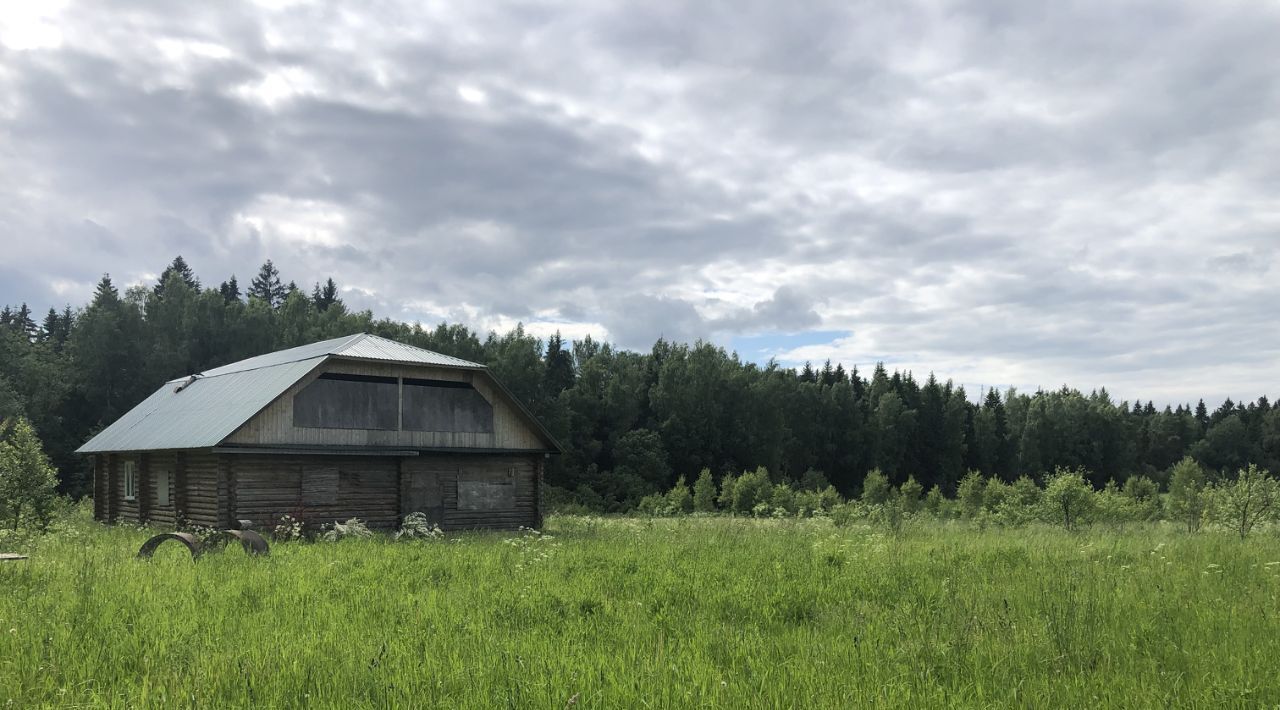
{"x":372,"y":347}
{"x":201,"y":414}
{"x":217,"y":402}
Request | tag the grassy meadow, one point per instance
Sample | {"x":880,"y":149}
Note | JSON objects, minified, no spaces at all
{"x":690,"y":612}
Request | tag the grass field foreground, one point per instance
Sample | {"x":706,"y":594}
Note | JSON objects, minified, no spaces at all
{"x":693,"y":612}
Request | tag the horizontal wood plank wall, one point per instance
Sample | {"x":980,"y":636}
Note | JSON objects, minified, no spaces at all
{"x":483,"y":467}
{"x":269,"y":487}
{"x":274,"y":425}
{"x":201,"y":490}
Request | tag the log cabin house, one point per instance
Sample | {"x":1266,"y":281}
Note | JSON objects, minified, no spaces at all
{"x":360,"y":426}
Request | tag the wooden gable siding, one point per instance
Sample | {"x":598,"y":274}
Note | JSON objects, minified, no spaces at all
{"x":274,"y":425}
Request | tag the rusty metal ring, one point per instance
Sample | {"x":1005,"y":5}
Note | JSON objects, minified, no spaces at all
{"x":252,"y":542}
{"x":149,"y":547}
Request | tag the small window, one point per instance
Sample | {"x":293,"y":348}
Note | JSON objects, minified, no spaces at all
{"x":162,"y":487}
{"x":129,"y":492}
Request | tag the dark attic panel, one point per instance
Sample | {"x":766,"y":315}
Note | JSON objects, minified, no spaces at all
{"x":336,"y":401}
{"x":431,"y":405}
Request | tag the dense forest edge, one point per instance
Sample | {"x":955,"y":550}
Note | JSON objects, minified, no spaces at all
{"x":633,"y":424}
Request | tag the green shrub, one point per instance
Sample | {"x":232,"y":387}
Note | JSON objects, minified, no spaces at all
{"x":1113,"y":507}
{"x":935,"y":502}
{"x":652,"y":504}
{"x":751,"y":489}
{"x":704,"y":492}
{"x":1242,"y":504}
{"x":875,"y":488}
{"x":1068,"y":499}
{"x":727,"y":485}
{"x":909,"y":492}
{"x":1187,"y":499}
{"x":993,"y":493}
{"x":783,"y":499}
{"x":27,"y":481}
{"x":679,"y":498}
{"x":814,"y":481}
{"x":1145,"y":497}
{"x":1020,"y":504}
{"x":969,"y":494}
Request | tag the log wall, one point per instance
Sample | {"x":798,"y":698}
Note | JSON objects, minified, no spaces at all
{"x":521,"y":471}
{"x":268,"y":487}
{"x":216,"y":489}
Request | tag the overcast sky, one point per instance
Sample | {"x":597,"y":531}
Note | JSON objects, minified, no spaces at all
{"x":1003,"y":192}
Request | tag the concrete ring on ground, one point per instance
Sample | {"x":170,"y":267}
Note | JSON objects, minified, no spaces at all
{"x":252,"y":542}
{"x":149,"y":547}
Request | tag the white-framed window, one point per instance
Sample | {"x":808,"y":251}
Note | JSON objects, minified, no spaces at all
{"x":130,"y":489}
{"x":162,"y":487}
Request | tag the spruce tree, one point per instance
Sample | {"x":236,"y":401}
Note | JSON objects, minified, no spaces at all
{"x":178,"y":266}
{"x":266,"y":286}
{"x":229,"y":290}
{"x":324,"y":296}
{"x":27,"y":481}
{"x":559,"y":373}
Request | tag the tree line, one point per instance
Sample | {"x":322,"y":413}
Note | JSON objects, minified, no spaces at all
{"x":631,"y":422}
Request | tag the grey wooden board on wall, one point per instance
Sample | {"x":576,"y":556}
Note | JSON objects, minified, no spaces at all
{"x":319,"y":485}
{"x":339,"y":404}
{"x":456,"y":409}
{"x":486,"y":495}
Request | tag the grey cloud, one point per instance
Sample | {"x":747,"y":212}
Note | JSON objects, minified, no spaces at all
{"x":1071,"y":185}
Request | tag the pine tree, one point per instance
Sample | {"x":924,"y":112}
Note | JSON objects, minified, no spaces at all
{"x":266,"y":286}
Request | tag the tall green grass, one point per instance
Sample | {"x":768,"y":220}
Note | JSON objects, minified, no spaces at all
{"x":694,"y":612}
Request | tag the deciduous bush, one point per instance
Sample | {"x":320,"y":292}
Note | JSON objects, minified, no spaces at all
{"x":909,"y":492}
{"x":1187,"y":499}
{"x":969,"y":494}
{"x":1145,"y":496}
{"x":1242,"y":504}
{"x":750,"y":490}
{"x":1068,"y":499}
{"x":680,"y":498}
{"x":875,"y":488}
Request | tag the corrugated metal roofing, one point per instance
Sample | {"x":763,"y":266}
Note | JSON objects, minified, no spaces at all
{"x":200,"y":415}
{"x":371,"y":347}
{"x":218,"y":401}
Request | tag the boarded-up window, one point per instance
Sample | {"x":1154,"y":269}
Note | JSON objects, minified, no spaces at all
{"x":442,"y":405}
{"x":338,"y":401}
{"x":162,"y":487}
{"x":320,"y":485}
{"x":487,"y":490}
